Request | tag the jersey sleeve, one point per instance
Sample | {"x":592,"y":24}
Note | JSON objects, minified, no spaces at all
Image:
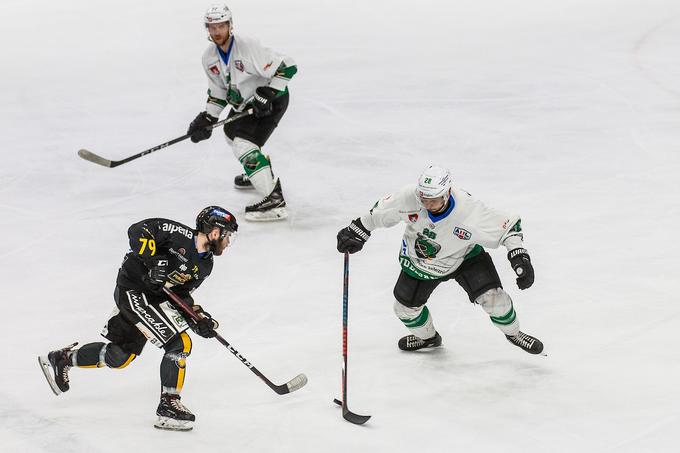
{"x":217,"y":91}
{"x":390,"y":210}
{"x":278,"y":68}
{"x":493,"y":227}
{"x":146,"y":239}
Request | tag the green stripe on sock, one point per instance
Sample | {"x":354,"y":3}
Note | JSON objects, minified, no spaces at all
{"x":418,"y":321}
{"x":506,"y":319}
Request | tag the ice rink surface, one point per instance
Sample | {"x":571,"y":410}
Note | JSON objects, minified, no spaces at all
{"x":565,"y":112}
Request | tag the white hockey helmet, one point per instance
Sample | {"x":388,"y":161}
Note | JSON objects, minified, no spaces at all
{"x":216,"y":14}
{"x":434,"y":182}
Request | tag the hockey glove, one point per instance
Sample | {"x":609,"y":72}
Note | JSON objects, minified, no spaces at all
{"x":206,"y":326}
{"x":521,"y":264}
{"x":158,"y":271}
{"x":353,"y":237}
{"x":200,"y":129}
{"x":263,"y":101}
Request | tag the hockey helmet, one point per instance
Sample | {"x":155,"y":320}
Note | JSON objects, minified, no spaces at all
{"x":216,"y":14}
{"x":434,"y":182}
{"x":216,"y":217}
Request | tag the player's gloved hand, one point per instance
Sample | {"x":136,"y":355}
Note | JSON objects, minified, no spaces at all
{"x":353,"y":237}
{"x":158,"y":271}
{"x":200,"y":129}
{"x":521,"y":264}
{"x":263,"y":101}
{"x":206,"y":326}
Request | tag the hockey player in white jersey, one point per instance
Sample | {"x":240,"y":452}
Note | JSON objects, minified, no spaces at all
{"x":446,"y":232}
{"x":244,"y":74}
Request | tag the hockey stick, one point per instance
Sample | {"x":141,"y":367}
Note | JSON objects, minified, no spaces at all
{"x":94,"y":158}
{"x":346,"y":413}
{"x":294,"y":384}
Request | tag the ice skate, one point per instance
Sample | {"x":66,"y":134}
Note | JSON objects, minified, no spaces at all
{"x":173,"y":415}
{"x":413,"y":343}
{"x":55,"y":367}
{"x":272,"y":207}
{"x":526,"y":342}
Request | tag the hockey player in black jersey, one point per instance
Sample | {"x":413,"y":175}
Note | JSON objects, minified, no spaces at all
{"x":162,"y":253}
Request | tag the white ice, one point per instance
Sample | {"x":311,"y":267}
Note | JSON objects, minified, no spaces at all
{"x":566,"y":112}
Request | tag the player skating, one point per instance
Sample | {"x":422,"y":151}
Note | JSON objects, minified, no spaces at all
{"x":446,"y":232}
{"x":163,"y":253}
{"x":244,"y":74}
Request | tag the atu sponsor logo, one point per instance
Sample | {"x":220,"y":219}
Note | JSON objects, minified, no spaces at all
{"x":462,"y":233}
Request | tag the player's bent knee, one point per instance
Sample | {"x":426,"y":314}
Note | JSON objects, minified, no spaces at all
{"x":404,"y":312}
{"x":117,"y":357}
{"x":496,"y":302}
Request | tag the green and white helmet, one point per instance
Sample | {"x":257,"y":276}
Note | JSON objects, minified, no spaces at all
{"x":216,"y":14}
{"x":434,"y":182}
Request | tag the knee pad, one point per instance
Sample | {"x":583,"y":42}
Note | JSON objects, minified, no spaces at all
{"x":115,"y":357}
{"x":406,"y":313}
{"x":496,"y":302}
{"x":178,"y":349}
{"x":250,"y":156}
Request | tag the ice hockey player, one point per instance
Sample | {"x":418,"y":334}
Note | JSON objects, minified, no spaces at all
{"x":446,"y":232}
{"x":243,"y":73}
{"x":162,"y":253}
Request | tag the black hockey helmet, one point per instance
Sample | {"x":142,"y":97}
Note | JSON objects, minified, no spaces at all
{"x":216,"y":217}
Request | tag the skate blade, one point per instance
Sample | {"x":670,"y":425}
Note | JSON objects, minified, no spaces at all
{"x":250,"y":187}
{"x":47,"y":371}
{"x":173,"y":425}
{"x":271,"y":215}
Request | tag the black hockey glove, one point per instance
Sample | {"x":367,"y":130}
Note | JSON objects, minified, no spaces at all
{"x":353,"y":237}
{"x":521,"y":264}
{"x":200,"y":129}
{"x":158,"y":271}
{"x":206,"y":326}
{"x":263,"y":101}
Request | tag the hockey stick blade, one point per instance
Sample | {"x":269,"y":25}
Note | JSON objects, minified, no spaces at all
{"x":294,"y":384}
{"x":92,"y":157}
{"x":351,"y":416}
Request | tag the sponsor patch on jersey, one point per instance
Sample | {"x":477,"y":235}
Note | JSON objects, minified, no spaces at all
{"x":462,"y":233}
{"x":182,"y":251}
{"x":239,"y":65}
{"x":214,"y":69}
{"x":268,"y":65}
{"x":413,"y":218}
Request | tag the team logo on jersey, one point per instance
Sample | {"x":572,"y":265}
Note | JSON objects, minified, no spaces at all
{"x":413,"y":218}
{"x":462,"y":233}
{"x":425,"y":247}
{"x":214,"y":69}
{"x":239,"y":65}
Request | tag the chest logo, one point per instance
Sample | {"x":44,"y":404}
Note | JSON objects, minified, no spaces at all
{"x":239,"y":65}
{"x":462,"y":233}
{"x":214,"y":69}
{"x":413,"y":218}
{"x":425,"y":247}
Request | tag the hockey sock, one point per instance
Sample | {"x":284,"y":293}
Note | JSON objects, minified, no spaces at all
{"x":418,"y":320}
{"x":498,"y":305}
{"x":173,"y":364}
{"x":255,"y":164}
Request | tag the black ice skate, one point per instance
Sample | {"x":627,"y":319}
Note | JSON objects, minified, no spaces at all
{"x":527,"y":342}
{"x":242,"y":182}
{"x":55,"y":368}
{"x":413,"y":343}
{"x":272,"y":207}
{"x":173,"y":415}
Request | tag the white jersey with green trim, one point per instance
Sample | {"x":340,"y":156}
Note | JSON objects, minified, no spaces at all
{"x":435,"y":246}
{"x":234,"y":75}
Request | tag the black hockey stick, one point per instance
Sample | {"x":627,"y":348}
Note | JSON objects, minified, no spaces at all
{"x":346,"y":413}
{"x":94,"y":158}
{"x":294,"y":384}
